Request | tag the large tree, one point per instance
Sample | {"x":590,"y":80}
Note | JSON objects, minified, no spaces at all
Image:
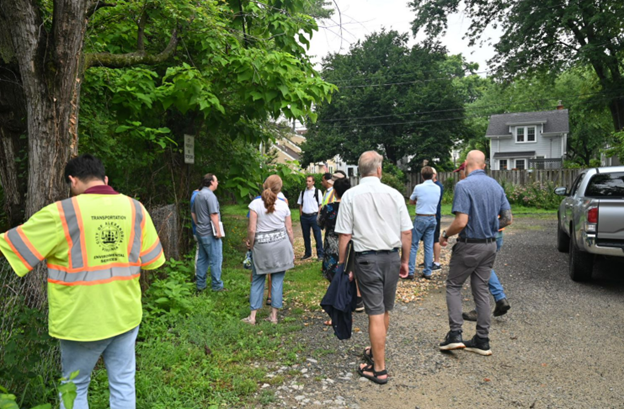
{"x":256,"y":48}
{"x":544,"y":36}
{"x":401,"y":100}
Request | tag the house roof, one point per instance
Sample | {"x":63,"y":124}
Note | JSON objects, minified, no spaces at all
{"x":290,"y":152}
{"x":516,"y":154}
{"x":556,"y":121}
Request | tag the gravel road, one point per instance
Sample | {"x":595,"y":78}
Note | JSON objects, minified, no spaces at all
{"x":560,"y":346}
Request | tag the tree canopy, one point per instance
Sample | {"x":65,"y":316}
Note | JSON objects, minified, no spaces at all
{"x":402,"y":100}
{"x":142,"y":75}
{"x":542,"y":36}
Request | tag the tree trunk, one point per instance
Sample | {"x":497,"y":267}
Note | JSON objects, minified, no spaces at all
{"x":616,"y":107}
{"x":12,"y":131}
{"x":12,"y":145}
{"x":49,"y":61}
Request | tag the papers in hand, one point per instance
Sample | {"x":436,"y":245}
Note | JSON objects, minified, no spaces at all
{"x":214,"y":231}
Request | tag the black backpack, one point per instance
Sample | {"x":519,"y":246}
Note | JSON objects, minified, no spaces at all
{"x":315,"y":196}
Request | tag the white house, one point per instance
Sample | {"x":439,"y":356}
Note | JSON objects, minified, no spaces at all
{"x":527,"y":140}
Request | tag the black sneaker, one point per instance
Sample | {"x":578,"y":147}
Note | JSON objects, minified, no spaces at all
{"x":479,"y":346}
{"x":359,"y":307}
{"x":305,"y":257}
{"x":452,"y":341}
{"x":426,"y":277}
{"x":421,"y":265}
{"x":436,"y":267}
{"x":470,"y":316}
{"x":502,"y":306}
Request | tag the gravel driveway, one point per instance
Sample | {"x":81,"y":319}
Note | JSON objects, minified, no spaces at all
{"x":560,"y":346}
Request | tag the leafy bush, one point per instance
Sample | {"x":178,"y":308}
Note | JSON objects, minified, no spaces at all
{"x":539,"y":195}
{"x":169,"y":295}
{"x":393,"y":181}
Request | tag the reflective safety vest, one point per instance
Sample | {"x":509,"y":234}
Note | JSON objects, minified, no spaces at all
{"x":95,"y":246}
{"x":330,"y":197}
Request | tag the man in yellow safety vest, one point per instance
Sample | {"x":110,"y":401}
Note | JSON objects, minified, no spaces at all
{"x":95,"y":245}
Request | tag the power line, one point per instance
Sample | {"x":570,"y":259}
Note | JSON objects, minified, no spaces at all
{"x":431,"y":120}
{"x":469,"y":108}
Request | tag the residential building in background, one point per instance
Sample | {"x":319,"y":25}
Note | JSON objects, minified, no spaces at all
{"x":528,"y":140}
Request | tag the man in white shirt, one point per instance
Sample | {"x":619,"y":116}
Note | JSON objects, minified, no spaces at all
{"x":375,"y":217}
{"x":309,"y":202}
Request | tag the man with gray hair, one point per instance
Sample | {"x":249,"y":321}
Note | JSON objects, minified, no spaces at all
{"x":375,"y":217}
{"x":478,"y":203}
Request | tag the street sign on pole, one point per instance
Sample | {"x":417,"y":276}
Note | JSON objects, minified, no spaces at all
{"x":189,"y":149}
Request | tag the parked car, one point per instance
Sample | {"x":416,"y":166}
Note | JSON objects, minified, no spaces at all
{"x":591,"y":219}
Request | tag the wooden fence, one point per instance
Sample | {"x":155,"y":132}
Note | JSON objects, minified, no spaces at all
{"x":558,"y":177}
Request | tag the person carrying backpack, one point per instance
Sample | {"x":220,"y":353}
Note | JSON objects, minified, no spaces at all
{"x":309,"y":202}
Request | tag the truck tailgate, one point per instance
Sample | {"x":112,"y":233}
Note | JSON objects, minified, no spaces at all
{"x":611,"y":219}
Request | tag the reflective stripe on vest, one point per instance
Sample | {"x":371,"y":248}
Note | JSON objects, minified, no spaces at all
{"x":152,"y":254}
{"x":136,"y":237}
{"x":93,"y":277}
{"x":23,"y":248}
{"x":72,"y":224}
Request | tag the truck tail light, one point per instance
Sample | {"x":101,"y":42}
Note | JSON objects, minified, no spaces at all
{"x":592,"y":215}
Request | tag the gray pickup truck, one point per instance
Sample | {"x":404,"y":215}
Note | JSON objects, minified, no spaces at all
{"x":591,"y":219}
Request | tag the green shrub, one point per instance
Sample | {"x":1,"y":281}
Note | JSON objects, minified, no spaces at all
{"x":169,"y":295}
{"x":539,"y":195}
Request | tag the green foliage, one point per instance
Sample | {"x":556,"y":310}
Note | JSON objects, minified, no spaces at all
{"x":536,"y":194}
{"x":237,"y":65}
{"x":25,"y":367}
{"x":617,"y":146}
{"x":397,"y":99}
{"x":578,"y":90}
{"x":67,"y":392}
{"x":169,"y":295}
{"x":545,"y":37}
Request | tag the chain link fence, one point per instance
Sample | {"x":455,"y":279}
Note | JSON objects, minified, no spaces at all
{"x":29,"y":358}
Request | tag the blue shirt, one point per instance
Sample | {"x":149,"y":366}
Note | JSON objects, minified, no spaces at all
{"x":193,"y":226}
{"x":439,"y":211}
{"x":427,"y":196}
{"x":482,"y":199}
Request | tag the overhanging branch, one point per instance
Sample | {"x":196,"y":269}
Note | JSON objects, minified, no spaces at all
{"x":96,"y":5}
{"x":131,"y":59}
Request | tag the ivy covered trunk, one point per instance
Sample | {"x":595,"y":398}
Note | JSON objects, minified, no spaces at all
{"x":48,"y":58}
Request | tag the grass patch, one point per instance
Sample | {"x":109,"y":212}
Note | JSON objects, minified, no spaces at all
{"x":516,"y":210}
{"x":208,"y":358}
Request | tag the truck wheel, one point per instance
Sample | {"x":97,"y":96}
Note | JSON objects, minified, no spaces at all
{"x":581,"y":264}
{"x":563,"y":240}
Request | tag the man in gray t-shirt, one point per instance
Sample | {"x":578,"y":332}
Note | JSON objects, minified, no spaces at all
{"x":206,"y":214}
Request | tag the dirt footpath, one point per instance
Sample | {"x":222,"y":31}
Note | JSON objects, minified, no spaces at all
{"x":560,"y":346}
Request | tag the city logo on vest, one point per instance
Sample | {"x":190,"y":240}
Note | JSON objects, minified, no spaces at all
{"x":109,"y":236}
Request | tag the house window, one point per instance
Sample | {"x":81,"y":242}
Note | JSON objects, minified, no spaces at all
{"x":350,"y":171}
{"x":502,"y":164}
{"x":525,"y":134}
{"x":520,"y":164}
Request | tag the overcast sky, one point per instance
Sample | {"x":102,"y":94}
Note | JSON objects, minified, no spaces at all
{"x":363,"y":17}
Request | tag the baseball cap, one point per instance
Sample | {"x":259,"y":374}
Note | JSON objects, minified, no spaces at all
{"x":461,"y":167}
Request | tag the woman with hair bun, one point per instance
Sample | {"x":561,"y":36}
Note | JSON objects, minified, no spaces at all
{"x":270,"y":238}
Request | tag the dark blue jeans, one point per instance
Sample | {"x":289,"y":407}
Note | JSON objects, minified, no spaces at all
{"x":307,"y":223}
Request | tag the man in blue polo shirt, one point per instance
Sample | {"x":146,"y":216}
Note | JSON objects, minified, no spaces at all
{"x":477,"y":204}
{"x":426,"y":197}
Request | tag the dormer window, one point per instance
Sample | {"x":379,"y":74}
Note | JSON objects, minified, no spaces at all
{"x":525,"y":134}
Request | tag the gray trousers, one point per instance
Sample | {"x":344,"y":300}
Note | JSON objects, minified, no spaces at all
{"x":474,"y":260}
